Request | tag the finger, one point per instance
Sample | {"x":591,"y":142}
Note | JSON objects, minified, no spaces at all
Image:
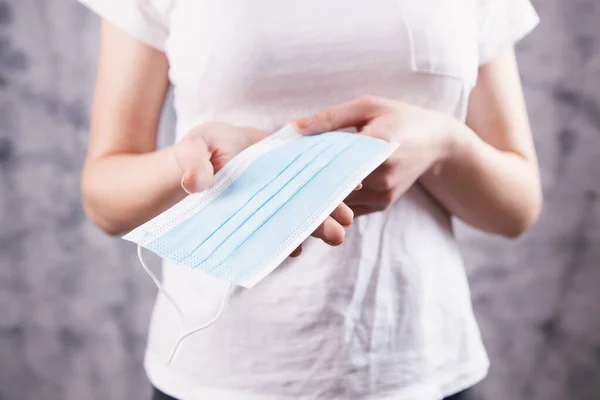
{"x":254,"y":135}
{"x":358,"y":187}
{"x":343,"y":215}
{"x":382,"y":180}
{"x":359,"y":211}
{"x":353,"y":113}
{"x":369,"y":198}
{"x":193,"y":157}
{"x":361,"y":197}
{"x":197,"y":179}
{"x":330,"y":231}
{"x":374,"y":200}
{"x":296,"y":252}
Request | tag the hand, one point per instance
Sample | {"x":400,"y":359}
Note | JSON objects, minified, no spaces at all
{"x":208,"y":147}
{"x":423,"y":136}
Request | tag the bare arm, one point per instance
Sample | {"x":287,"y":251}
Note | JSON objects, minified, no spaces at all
{"x":125,"y":182}
{"x":484,"y":172}
{"x":490,"y":176}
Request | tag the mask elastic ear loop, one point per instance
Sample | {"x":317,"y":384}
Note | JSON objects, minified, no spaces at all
{"x":214,"y":319}
{"x":158,"y":285}
{"x":179,"y":312}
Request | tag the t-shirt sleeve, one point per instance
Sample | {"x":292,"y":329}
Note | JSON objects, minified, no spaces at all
{"x":139,"y":18}
{"x":502,"y":23}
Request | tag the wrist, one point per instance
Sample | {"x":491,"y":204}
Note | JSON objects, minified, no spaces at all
{"x":447,"y":143}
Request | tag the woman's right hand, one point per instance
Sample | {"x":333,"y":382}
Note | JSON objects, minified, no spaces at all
{"x":208,"y":147}
{"x":126,"y":181}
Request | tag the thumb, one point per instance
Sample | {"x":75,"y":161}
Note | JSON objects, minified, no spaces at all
{"x":194,"y":157}
{"x":199,"y":179}
{"x":353,"y":113}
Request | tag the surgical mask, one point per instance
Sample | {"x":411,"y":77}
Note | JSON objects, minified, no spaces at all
{"x":261,"y":206}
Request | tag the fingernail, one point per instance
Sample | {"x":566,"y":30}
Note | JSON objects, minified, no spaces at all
{"x":303,"y":124}
{"x":183,"y":178}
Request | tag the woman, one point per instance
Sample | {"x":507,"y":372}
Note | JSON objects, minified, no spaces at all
{"x":386,"y":315}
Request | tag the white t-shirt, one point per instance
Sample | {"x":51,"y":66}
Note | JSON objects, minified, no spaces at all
{"x":387,"y":315}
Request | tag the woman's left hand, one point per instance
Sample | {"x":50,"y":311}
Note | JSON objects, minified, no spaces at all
{"x":422,"y":135}
{"x":484,"y":171}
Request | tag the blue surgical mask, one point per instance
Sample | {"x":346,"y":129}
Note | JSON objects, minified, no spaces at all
{"x":262,"y":205}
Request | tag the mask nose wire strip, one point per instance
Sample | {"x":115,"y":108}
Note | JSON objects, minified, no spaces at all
{"x":183,"y":336}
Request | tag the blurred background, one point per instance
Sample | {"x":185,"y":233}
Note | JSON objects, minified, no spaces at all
{"x":75,"y":304}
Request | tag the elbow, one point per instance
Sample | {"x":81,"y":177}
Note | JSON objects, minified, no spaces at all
{"x":518,"y":228}
{"x":111,"y":228}
{"x":523,"y":220}
{"x":93,"y":208}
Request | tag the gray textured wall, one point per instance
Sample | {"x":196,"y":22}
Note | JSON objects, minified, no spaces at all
{"x":74,"y":304}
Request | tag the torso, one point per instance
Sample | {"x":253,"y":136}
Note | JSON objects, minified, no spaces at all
{"x":387,"y":314}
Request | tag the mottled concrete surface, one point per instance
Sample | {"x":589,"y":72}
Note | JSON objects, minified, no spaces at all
{"x":74,"y":305}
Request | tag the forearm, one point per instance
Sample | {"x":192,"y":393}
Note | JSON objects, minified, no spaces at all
{"x":122,"y":191}
{"x":490,"y":189}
